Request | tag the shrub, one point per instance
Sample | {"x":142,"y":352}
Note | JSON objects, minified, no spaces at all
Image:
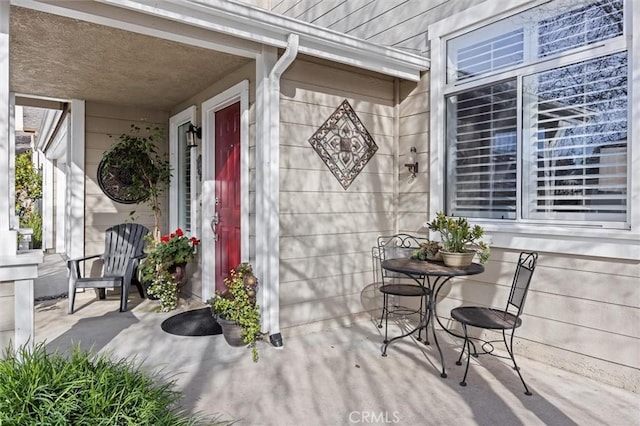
{"x":33,"y":220}
{"x":28,"y":184}
{"x":38,"y":388}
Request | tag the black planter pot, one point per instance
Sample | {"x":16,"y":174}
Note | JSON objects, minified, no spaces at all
{"x":231,"y":331}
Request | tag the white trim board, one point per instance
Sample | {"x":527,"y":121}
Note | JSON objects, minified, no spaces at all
{"x":236,"y":93}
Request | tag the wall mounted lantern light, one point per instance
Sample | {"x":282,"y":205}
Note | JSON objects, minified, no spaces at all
{"x":193,"y":132}
{"x":412,"y":162}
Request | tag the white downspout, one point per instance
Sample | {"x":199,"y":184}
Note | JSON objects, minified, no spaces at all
{"x":271,"y":321}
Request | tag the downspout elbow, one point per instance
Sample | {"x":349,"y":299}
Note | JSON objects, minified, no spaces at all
{"x":286,"y":59}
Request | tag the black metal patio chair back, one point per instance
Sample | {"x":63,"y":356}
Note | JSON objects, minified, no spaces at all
{"x":522,"y":280}
{"x":123,"y":249}
{"x":396,"y":284}
{"x":496,"y":319}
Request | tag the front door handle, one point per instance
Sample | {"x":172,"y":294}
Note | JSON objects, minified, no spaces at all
{"x":214,"y":221}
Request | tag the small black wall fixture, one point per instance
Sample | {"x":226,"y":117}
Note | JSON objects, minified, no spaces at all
{"x":193,"y":132}
{"x":412,"y":162}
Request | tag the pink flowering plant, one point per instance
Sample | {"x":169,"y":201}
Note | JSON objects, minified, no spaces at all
{"x":162,"y":257}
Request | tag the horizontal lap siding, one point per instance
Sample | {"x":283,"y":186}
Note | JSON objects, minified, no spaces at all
{"x":581,"y":313}
{"x":398,"y":23}
{"x":7,"y":307}
{"x":326,"y":232}
{"x":413,"y":195}
{"x":100,"y":211}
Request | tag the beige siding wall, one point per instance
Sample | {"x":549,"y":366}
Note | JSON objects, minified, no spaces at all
{"x":413,"y":129}
{"x":327,"y":232}
{"x":581,"y":313}
{"x":398,"y":23}
{"x":101,"y":212}
{"x":7,"y":307}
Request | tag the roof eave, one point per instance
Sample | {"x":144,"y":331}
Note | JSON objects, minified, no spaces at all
{"x":257,"y":25}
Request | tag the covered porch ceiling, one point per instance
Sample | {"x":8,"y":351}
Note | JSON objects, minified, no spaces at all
{"x":64,"y":58}
{"x":157,"y":54}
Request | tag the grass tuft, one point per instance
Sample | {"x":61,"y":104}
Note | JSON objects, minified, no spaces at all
{"x":39,"y":388}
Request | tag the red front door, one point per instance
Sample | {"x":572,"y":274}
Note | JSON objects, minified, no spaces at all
{"x":227,"y":187}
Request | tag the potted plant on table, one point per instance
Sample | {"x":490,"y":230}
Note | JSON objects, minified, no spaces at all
{"x":236,"y":310}
{"x":164,"y":268}
{"x":460,"y":241}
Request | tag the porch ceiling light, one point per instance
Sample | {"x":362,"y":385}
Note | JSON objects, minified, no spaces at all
{"x":193,"y":132}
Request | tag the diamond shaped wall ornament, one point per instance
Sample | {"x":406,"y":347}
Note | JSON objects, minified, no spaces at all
{"x":344,"y":144}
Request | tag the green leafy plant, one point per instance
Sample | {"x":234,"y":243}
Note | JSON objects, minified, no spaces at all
{"x":428,"y":250}
{"x":238,"y":304}
{"x":458,"y":236}
{"x":137,"y":155}
{"x":173,"y":249}
{"x":162,"y":257}
{"x":33,"y":220}
{"x":39,"y":388}
{"x":28,"y":184}
{"x":165,"y":289}
{"x":28,"y":190}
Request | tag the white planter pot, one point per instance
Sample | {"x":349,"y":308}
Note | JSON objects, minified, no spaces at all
{"x":457,"y":260}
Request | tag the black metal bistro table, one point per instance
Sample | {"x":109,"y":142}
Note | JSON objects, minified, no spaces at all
{"x":435,"y":274}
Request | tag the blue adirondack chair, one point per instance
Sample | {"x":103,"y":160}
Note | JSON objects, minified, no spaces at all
{"x":123,"y":249}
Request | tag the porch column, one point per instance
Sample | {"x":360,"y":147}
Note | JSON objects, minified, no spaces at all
{"x":267,"y":250}
{"x":75,"y":181}
{"x":7,"y":234}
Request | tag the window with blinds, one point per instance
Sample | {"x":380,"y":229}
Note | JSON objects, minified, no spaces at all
{"x":579,"y":27}
{"x":537,"y":139}
{"x":543,"y":31}
{"x":183,"y":175}
{"x":576,"y":149}
{"x":490,"y":55}
{"x":482,"y":160}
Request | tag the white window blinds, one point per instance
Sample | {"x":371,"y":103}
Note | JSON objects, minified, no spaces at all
{"x":580,"y":26}
{"x":482,"y":160}
{"x":183,"y":175}
{"x":575,"y":148}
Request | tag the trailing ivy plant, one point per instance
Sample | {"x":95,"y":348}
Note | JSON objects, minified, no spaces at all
{"x":238,"y":304}
{"x":148,"y":172}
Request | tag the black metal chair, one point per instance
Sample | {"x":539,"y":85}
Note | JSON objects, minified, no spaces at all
{"x":123,"y":249}
{"x":496,"y":319}
{"x":395,"y":284}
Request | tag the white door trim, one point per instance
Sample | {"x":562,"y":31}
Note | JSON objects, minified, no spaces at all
{"x":237,"y":93}
{"x":185,"y":116}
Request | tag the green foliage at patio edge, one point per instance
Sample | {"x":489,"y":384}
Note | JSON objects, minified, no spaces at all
{"x":28,"y":190}
{"x":39,"y":388}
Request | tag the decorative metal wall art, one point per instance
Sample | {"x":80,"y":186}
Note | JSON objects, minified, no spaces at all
{"x":344,"y":144}
{"x":115,"y":178}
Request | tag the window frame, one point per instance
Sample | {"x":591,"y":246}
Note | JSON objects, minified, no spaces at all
{"x":583,"y":239}
{"x":183,"y":117}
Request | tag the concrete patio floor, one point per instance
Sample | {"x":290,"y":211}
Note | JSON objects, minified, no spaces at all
{"x":335,"y":377}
